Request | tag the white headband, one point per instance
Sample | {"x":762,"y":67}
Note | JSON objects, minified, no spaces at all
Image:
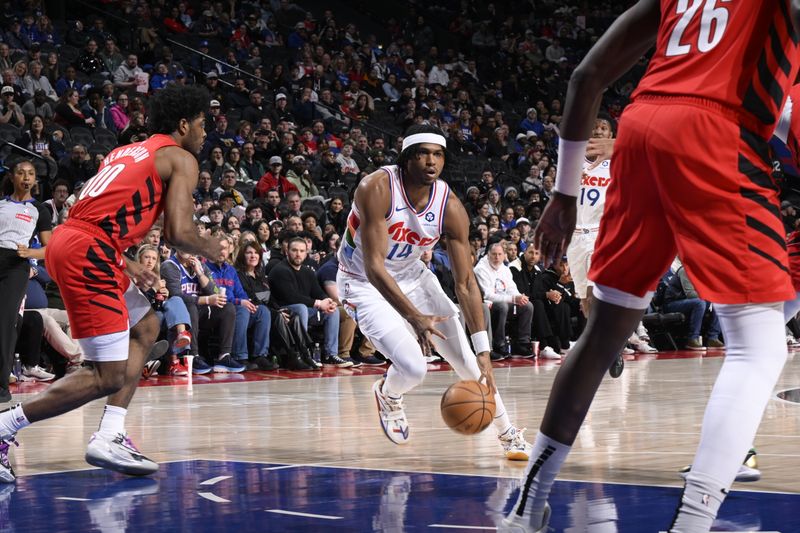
{"x":419,"y":138}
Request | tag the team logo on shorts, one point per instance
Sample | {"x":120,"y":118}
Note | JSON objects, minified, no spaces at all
{"x":430,"y":216}
{"x":347,"y":288}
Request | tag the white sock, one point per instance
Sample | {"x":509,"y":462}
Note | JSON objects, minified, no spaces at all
{"x":113,"y":421}
{"x":755,"y":355}
{"x":700,"y":502}
{"x":545,"y":462}
{"x":12,"y":420}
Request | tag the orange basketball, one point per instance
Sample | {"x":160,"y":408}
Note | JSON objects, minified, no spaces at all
{"x":468,"y":407}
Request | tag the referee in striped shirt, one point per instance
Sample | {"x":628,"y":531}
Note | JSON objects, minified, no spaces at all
{"x":21,"y":217}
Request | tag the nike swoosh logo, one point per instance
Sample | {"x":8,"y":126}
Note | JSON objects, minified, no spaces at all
{"x":400,"y":208}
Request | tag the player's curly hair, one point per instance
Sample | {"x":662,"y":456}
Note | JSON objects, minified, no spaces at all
{"x":173,"y":103}
{"x":411,"y":152}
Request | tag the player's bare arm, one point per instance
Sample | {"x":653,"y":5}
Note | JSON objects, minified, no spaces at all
{"x":456,"y":227}
{"x":179,"y":229}
{"x":631,"y":35}
{"x":372,"y":198}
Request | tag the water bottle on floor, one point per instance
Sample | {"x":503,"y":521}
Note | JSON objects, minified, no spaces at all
{"x":317,"y":355}
{"x":17,"y":367}
{"x":508,"y":346}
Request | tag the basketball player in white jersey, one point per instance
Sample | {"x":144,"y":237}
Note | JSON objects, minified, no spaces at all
{"x":399,"y":212}
{"x":594,"y":184}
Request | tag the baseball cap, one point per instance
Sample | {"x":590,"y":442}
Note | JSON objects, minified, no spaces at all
{"x":784,"y":204}
{"x":212,"y":74}
{"x":523,"y":220}
{"x":521,"y":136}
{"x":298,"y":159}
{"x":7,"y":90}
{"x":208,"y":13}
{"x":214,"y":103}
{"x":280,"y":96}
{"x":275,"y":160}
{"x":204,"y":43}
{"x":300,"y":26}
{"x":108,"y":82}
{"x":78,"y":185}
{"x":180,"y":74}
{"x":530,"y":134}
{"x":409,"y":61}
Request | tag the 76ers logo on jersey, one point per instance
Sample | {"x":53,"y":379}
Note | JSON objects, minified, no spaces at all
{"x":430,"y":216}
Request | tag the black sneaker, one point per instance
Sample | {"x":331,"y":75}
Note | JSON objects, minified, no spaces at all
{"x":5,"y":395}
{"x":522,"y":350}
{"x":494,"y":355}
{"x":295,"y":362}
{"x":616,"y":367}
{"x":335,"y":360}
{"x":264,"y":363}
{"x":158,"y":350}
{"x":369,"y":360}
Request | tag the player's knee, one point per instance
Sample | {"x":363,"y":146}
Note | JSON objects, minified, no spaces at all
{"x":109,"y":383}
{"x":147,"y":328}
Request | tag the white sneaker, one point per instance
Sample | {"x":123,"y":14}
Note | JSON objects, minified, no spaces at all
{"x":549,"y":353}
{"x":37,"y":373}
{"x":520,"y":524}
{"x":745,"y":474}
{"x":644,"y":347}
{"x":514,"y":444}
{"x":627,"y":351}
{"x":118,"y":454}
{"x":12,"y":378}
{"x":392,"y":415}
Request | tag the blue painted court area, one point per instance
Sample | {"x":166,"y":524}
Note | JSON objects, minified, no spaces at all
{"x":205,"y":496}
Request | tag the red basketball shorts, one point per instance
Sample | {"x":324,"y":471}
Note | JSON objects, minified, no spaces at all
{"x":89,"y":272}
{"x":793,"y":245}
{"x":689,"y":180}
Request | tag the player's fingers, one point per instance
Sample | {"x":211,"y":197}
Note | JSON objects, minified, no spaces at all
{"x":596,"y":162}
{"x":434,"y":331}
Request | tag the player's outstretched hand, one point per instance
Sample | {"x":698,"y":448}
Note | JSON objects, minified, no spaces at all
{"x":425,"y":326}
{"x":599,"y":150}
{"x":555,"y":227}
{"x":487,"y":374}
{"x":143,"y":278}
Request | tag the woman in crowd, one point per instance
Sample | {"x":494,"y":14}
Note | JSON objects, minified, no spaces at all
{"x":21,"y":218}
{"x":119,"y":112}
{"x":336,"y":214}
{"x":234,"y":161}
{"x":265,"y":239}
{"x":171,"y":311}
{"x":36,"y":140}
{"x":68,"y":112}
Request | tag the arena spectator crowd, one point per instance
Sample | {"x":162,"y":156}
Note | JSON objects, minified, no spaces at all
{"x":302,"y":105}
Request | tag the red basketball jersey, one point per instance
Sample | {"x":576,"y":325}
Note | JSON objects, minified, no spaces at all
{"x":742,"y":54}
{"x":125,"y":197}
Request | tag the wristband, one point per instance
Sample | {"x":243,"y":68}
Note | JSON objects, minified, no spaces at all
{"x":571,"y":155}
{"x":480,"y":341}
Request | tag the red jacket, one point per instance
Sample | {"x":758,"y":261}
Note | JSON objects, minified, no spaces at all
{"x":268,"y":181}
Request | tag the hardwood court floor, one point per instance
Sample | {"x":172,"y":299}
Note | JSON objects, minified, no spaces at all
{"x":641,"y":429}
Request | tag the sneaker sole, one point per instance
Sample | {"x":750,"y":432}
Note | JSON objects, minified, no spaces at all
{"x":226,"y":370}
{"x":122,"y":469}
{"x":158,"y":350}
{"x":7,"y":476}
{"x":517,"y":456}
{"x":201,"y":371}
{"x":181,"y":344}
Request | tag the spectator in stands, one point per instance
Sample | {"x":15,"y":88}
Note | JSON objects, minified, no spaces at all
{"x":17,"y":41}
{"x":210,"y":311}
{"x":58,"y":202}
{"x":119,"y":112}
{"x":37,"y":140}
{"x":295,"y":287}
{"x":35,"y":81}
{"x":681,"y":297}
{"x":68,"y":114}
{"x":68,"y":81}
{"x":252,"y":166}
{"x":90,"y":62}
{"x":219,"y":137}
{"x":111,"y":56}
{"x":96,"y":110}
{"x":233,"y":161}
{"x":228,"y":185}
{"x":249,"y":268}
{"x":6,"y":62}
{"x":77,"y":166}
{"x":125,"y":77}
{"x":300,"y":177}
{"x":498,"y":286}
{"x":170,"y":309}
{"x":136,"y":130}
{"x":10,"y":110}
{"x":161,"y":78}
{"x":38,"y":105}
{"x":345,"y":161}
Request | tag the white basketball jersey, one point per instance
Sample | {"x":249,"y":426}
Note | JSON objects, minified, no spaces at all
{"x":410,"y":232}
{"x":592,"y":196}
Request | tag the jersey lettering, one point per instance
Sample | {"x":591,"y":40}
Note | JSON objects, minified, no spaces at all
{"x":101,"y":181}
{"x":713,"y":22}
{"x":398,"y":232}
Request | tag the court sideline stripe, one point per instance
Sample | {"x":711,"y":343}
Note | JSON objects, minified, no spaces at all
{"x":309,"y":515}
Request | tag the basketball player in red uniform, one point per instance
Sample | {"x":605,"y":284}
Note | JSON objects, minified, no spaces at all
{"x":720,"y":71}
{"x":110,"y":317}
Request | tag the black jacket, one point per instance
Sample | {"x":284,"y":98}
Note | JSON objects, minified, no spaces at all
{"x":290,"y":286}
